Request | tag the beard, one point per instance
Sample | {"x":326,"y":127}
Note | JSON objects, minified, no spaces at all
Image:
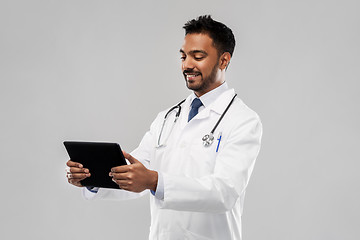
{"x":205,"y":81}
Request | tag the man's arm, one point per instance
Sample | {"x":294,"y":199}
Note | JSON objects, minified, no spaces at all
{"x":139,"y":165}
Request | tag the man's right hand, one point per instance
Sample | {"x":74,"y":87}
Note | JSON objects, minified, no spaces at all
{"x":76,"y":173}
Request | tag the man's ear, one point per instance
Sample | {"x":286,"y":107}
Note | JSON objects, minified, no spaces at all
{"x":224,"y":60}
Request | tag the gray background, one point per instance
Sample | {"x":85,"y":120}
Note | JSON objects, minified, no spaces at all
{"x":101,"y":70}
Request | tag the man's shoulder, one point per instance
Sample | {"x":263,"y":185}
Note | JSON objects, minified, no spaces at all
{"x":237,"y":109}
{"x":240,"y":115}
{"x":243,"y":110}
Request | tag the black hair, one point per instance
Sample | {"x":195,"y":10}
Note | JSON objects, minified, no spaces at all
{"x":222,"y":36}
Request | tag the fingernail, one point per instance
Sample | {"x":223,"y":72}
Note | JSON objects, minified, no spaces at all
{"x":110,"y":174}
{"x":86,"y":170}
{"x":80,"y":165}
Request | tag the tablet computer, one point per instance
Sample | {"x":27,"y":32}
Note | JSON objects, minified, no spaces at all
{"x":99,"y":158}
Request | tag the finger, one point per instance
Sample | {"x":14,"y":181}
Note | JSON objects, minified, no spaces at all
{"x":120,"y":182}
{"x":120,"y":169}
{"x":75,"y":177}
{"x":75,"y":182}
{"x":123,"y":184}
{"x":120,"y":176}
{"x":78,"y":176}
{"x":131,"y":159}
{"x":74,"y":164}
{"x":78,"y":170}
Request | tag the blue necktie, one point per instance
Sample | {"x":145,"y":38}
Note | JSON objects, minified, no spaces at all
{"x":196,"y":103}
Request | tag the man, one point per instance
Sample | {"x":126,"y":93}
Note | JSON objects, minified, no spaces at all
{"x":197,"y":185}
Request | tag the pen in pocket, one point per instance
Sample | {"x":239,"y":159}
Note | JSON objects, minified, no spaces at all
{"x":219,"y":139}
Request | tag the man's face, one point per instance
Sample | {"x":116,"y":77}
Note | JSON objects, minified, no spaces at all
{"x":200,"y":63}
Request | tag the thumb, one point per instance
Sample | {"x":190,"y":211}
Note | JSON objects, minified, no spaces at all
{"x":131,"y":159}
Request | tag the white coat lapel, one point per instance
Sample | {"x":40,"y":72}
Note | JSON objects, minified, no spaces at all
{"x":218,"y":106}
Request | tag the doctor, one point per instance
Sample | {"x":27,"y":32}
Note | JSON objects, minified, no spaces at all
{"x":197,"y":157}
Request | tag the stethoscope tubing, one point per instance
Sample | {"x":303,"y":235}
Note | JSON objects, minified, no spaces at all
{"x":174,"y":107}
{"x":223,"y":114}
{"x":208,"y":138}
{"x":166,"y":115}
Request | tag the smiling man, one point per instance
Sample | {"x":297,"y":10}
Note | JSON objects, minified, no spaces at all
{"x":198,"y":156}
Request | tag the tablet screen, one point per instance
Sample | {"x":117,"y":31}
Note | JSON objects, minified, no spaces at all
{"x":99,"y":158}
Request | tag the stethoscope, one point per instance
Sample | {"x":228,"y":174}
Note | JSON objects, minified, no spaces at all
{"x":208,"y":139}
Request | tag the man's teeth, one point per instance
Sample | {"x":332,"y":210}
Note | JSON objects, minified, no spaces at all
{"x":191,"y":75}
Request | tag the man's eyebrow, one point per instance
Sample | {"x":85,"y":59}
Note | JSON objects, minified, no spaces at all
{"x":194,"y":52}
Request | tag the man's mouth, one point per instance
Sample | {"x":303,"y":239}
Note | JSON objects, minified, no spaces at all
{"x":191,"y":76}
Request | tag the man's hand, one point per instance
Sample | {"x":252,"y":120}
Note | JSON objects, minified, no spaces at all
{"x":134,"y":177}
{"x":76,"y":172}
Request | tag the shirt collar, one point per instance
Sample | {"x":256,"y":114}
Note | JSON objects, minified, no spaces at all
{"x":210,"y":97}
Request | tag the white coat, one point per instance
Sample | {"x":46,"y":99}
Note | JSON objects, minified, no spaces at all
{"x":203,"y":189}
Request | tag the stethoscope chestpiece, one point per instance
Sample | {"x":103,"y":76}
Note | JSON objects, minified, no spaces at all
{"x":208,"y":139}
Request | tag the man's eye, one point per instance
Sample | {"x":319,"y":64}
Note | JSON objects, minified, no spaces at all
{"x":198,"y":58}
{"x":182,"y":58}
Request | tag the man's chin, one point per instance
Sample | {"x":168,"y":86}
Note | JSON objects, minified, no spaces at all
{"x":193,"y":86}
{"x":190,"y":84}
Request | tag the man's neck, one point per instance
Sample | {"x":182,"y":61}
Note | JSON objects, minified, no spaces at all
{"x":199,"y":94}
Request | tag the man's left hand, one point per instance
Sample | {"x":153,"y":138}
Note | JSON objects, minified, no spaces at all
{"x":134,"y":177}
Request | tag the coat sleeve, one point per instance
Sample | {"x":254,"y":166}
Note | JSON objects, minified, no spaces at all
{"x":219,"y":191}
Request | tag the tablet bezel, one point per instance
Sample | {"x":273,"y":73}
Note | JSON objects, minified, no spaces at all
{"x":99,"y":158}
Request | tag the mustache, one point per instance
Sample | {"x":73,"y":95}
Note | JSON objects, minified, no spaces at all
{"x":191,"y":72}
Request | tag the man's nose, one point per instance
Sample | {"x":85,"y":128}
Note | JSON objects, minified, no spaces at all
{"x":188,"y":64}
